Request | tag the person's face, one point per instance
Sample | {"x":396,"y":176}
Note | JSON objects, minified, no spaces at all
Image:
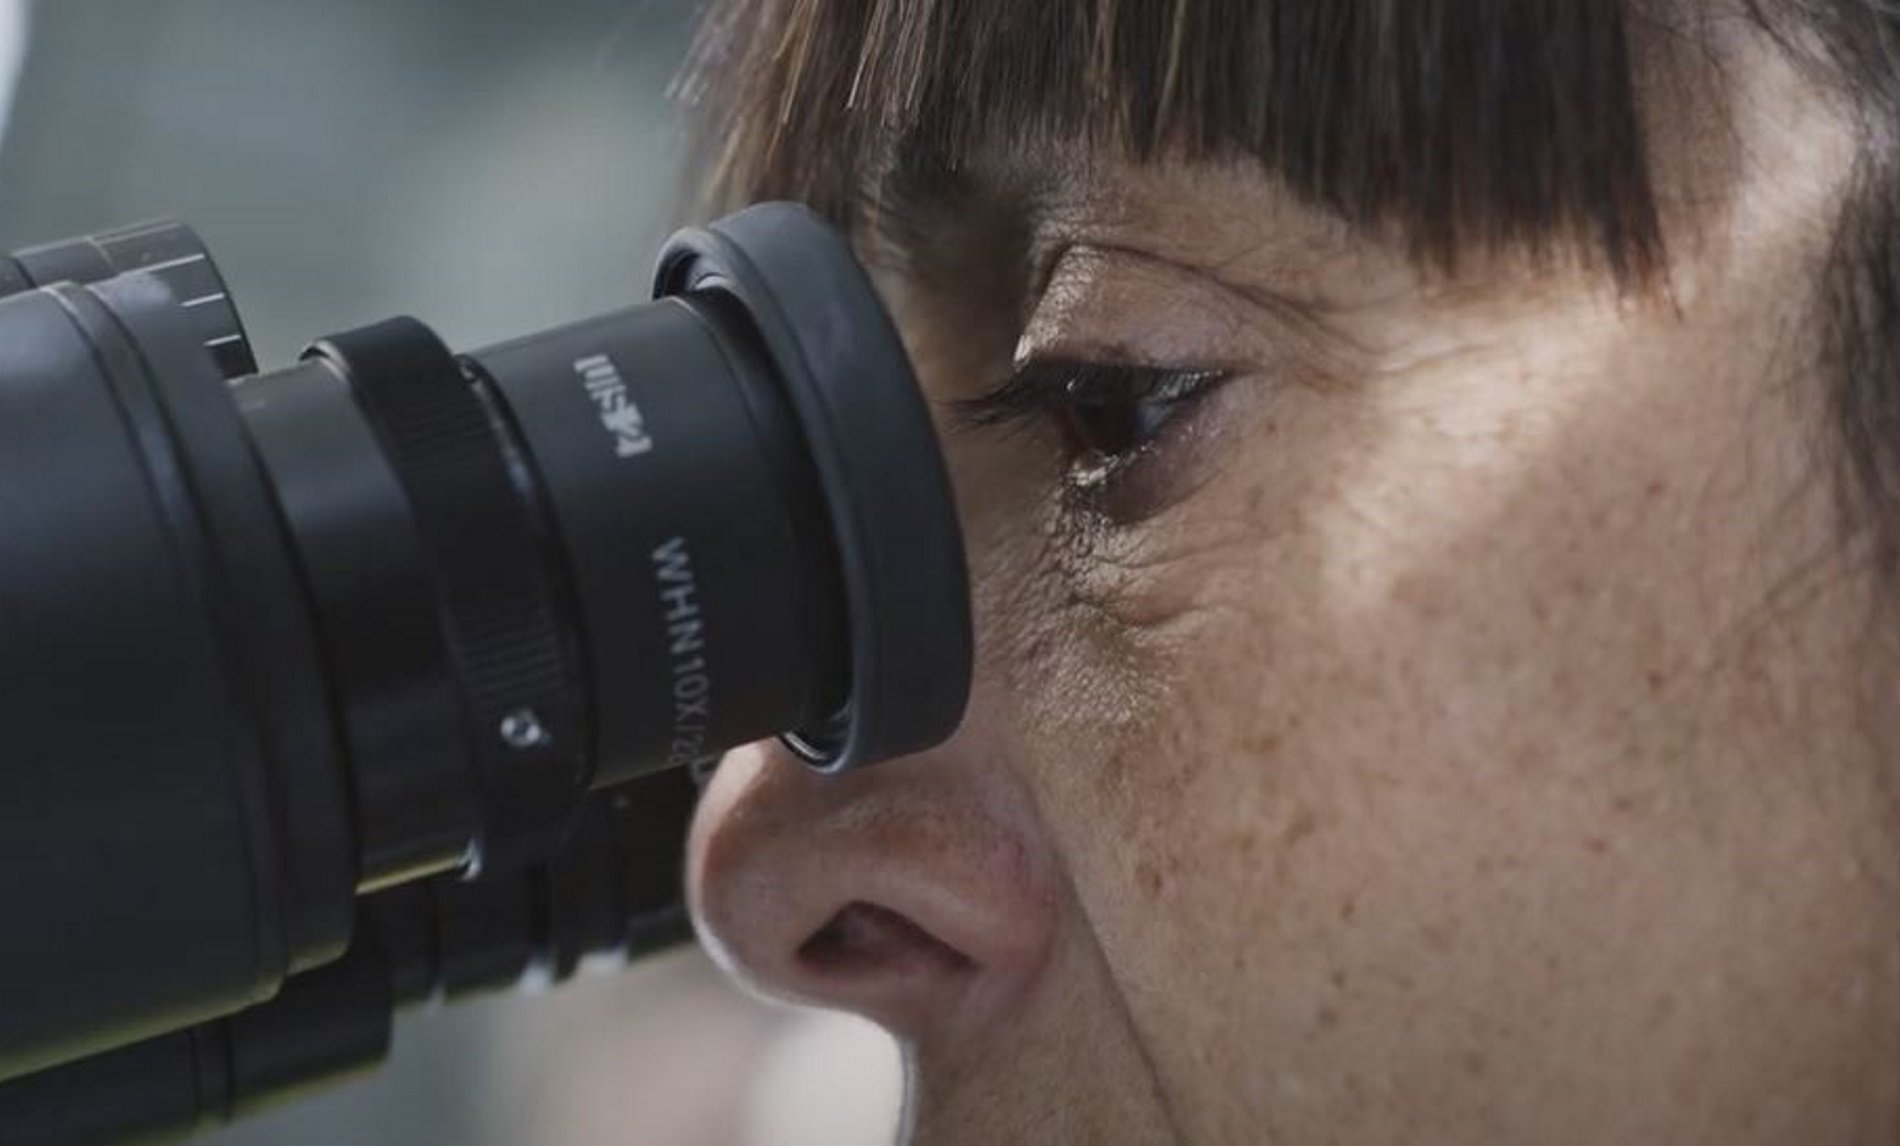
{"x":1462,"y":726}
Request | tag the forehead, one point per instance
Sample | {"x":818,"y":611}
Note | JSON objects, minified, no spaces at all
{"x":1456,"y":123}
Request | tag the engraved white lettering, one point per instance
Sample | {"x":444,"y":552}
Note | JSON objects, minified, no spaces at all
{"x":618,"y":414}
{"x":686,"y":636}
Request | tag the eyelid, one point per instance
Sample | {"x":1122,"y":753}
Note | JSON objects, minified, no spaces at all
{"x":1040,"y":385}
{"x":1188,"y":312}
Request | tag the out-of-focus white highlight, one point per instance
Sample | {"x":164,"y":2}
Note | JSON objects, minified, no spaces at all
{"x":16,"y":25}
{"x":829,"y":1080}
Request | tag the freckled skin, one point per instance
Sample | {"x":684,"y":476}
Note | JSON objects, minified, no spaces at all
{"x":1479,"y":736}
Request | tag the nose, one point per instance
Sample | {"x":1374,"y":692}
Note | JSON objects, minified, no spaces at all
{"x":916,"y":893}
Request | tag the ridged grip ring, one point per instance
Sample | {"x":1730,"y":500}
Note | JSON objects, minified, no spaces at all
{"x":495,"y":600}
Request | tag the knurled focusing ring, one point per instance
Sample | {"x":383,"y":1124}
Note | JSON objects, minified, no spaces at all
{"x":521,"y":688}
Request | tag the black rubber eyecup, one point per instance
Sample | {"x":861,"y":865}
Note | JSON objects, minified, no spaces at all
{"x":893,"y":515}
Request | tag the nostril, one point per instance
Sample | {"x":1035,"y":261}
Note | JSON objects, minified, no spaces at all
{"x":864,"y":939}
{"x":924,"y":899}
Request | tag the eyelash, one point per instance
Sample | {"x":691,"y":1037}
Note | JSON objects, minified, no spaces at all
{"x":1123,"y":400}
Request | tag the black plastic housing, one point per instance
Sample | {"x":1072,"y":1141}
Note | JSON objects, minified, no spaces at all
{"x":275,"y":642}
{"x":612,"y":892}
{"x":175,"y":831}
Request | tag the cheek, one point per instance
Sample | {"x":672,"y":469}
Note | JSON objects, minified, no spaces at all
{"x":1366,"y":759}
{"x":1393,"y":598}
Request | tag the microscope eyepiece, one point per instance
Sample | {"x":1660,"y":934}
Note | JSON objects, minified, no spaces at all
{"x":278,"y":640}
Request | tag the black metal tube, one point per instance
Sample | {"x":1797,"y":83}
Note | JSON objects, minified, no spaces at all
{"x":614,"y":890}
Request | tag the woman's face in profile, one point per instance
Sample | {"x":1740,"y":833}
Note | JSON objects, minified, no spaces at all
{"x":1414,"y":704}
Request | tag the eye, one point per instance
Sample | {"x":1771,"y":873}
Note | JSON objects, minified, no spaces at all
{"x":1109,"y":415}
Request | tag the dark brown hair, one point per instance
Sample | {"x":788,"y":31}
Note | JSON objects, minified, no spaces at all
{"x":1498,"y":122}
{"x":1457,"y":124}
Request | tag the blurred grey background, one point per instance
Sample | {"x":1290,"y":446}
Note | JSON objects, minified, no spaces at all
{"x":492,"y":167}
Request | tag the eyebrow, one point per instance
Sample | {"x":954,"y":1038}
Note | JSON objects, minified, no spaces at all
{"x":1456,"y":124}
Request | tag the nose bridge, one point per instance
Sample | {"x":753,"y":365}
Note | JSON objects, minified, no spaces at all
{"x":895,"y":892}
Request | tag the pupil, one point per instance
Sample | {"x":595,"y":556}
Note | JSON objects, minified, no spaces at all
{"x":1107,"y":429}
{"x":1112,"y":426}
